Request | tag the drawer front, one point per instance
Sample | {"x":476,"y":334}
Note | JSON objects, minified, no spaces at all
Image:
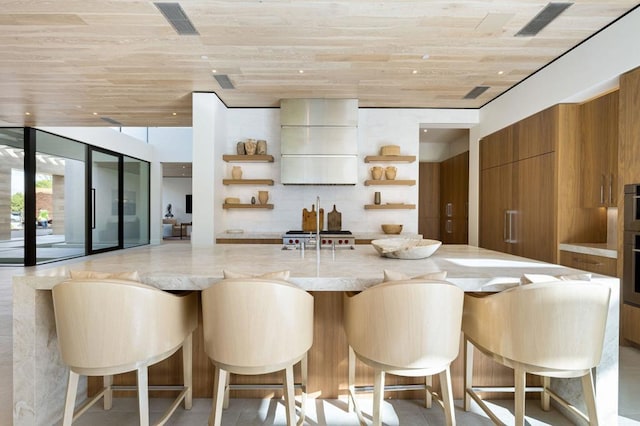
{"x":587,"y":262}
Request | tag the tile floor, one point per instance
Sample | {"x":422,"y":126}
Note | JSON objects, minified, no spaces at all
{"x":319,"y":412}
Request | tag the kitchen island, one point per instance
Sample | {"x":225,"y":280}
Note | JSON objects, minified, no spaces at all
{"x":40,"y":377}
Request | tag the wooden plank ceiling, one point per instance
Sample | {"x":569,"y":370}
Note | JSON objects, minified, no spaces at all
{"x":82,"y":62}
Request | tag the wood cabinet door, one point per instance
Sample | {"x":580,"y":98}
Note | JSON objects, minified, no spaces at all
{"x":495,"y":205}
{"x":599,"y":154}
{"x":454,"y":199}
{"x":536,"y":134}
{"x":534,"y":201}
{"x":496,"y":149}
{"x":429,"y":200}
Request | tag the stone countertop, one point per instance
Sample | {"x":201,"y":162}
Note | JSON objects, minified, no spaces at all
{"x":183,"y":267}
{"x":278,"y":235}
{"x":595,"y":249}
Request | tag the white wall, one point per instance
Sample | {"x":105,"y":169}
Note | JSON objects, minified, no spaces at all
{"x":376,"y":127}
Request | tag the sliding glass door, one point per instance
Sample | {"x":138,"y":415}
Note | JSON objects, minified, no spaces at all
{"x":104,"y":201}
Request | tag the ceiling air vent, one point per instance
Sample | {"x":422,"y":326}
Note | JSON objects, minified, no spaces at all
{"x":542,"y":19}
{"x":177,"y":18}
{"x":111,"y":121}
{"x":475,"y":92}
{"x":223,"y":81}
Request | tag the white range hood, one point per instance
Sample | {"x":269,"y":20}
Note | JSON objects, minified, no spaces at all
{"x":319,"y":141}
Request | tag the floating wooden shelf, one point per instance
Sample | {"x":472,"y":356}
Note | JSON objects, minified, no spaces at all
{"x":247,"y":181}
{"x":390,"y":206}
{"x":408,"y":182}
{"x":248,"y":158}
{"x":389,"y":158}
{"x":247,"y":206}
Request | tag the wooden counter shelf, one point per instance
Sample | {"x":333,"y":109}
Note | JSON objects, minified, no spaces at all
{"x":406,"y":182}
{"x":247,"y":182}
{"x":389,"y":158}
{"x":390,"y":206}
{"x":248,"y":158}
{"x":247,"y":206}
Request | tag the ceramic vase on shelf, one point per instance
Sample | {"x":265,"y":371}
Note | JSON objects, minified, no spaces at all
{"x":376,"y":198}
{"x":240,"y":148}
{"x":263,"y":197}
{"x":376,"y":173}
{"x":390,"y":172}
{"x":236,"y":172}
{"x":261,"y":147}
{"x":250,"y":146}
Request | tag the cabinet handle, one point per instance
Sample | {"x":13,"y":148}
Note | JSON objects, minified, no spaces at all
{"x":592,"y":263}
{"x":448,"y":227}
{"x":449,"y":209}
{"x":511,"y":220}
{"x":611,"y":189}
{"x":504,"y":228}
{"x":602,"y":180}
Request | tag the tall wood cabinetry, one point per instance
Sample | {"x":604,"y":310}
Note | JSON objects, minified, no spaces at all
{"x":599,"y":134}
{"x":529,"y":186}
{"x":454,"y":199}
{"x":429,"y":200}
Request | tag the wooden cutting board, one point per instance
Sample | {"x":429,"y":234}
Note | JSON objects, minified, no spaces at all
{"x":334,"y":220}
{"x":309,"y":219}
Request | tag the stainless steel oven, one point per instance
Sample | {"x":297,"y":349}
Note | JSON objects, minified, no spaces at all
{"x":632,"y":207}
{"x":631,"y":268}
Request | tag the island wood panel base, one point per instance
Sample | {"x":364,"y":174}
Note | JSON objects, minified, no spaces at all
{"x":327,"y":366}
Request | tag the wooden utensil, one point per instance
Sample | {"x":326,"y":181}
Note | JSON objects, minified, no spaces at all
{"x":334,"y":220}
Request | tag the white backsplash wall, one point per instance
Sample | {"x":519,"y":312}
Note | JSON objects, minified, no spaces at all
{"x":376,"y":127}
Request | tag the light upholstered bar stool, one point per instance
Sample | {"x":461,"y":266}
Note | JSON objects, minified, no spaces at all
{"x":257,"y":326}
{"x":409,"y":328}
{"x":110,"y":326}
{"x":553,"y":329}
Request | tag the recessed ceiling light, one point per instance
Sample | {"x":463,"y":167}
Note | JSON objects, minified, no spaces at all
{"x":175,"y":113}
{"x":214,"y":71}
{"x":425,"y":130}
{"x":500,"y":72}
{"x":301,"y":71}
{"x":425,"y":56}
{"x":414,"y":72}
{"x":27,"y":113}
{"x":95,"y":113}
{"x":204,"y":57}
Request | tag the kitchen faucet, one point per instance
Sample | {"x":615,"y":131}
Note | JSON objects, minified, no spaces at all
{"x":318,"y":224}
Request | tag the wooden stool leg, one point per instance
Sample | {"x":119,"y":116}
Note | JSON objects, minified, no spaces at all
{"x":304,"y":368}
{"x":70,"y":400}
{"x":590,"y":398}
{"x":544,"y":397}
{"x":447,"y":396}
{"x":225,"y":401}
{"x":428,"y":383}
{"x":289,"y":399}
{"x":352,"y":380}
{"x":520,"y":379}
{"x":219,"y":382}
{"x":187,"y":370}
{"x":143,"y":395}
{"x":378,"y":397}
{"x":107,"y":402}
{"x":468,"y":373}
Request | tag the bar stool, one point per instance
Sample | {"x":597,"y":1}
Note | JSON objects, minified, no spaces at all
{"x":256,"y":326}
{"x":552,"y":329}
{"x":111,"y":326}
{"x":408,"y":328}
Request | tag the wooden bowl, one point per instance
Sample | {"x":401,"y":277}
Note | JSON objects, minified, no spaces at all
{"x":391,"y":229}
